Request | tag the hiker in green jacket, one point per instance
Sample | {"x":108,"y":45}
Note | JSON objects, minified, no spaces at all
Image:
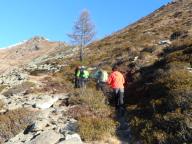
{"x":83,"y":76}
{"x":76,"y":82}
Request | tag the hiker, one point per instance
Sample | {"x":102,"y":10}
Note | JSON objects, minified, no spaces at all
{"x":116,"y":81}
{"x":83,"y":76}
{"x":101,"y":77}
{"x":77,"y":85}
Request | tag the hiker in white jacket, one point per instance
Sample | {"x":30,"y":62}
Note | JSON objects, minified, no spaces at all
{"x":101,"y":77}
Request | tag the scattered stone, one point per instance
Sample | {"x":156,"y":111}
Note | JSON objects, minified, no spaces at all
{"x":29,"y":128}
{"x":189,"y":69}
{"x":164,"y":42}
{"x":43,"y":67}
{"x":13,"y":77}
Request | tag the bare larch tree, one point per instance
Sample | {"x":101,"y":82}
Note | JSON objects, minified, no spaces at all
{"x":83,"y":31}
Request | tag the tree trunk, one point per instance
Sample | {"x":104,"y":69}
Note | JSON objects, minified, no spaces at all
{"x":81,"y":53}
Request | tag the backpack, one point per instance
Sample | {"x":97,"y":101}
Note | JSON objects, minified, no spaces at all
{"x":81,"y":73}
{"x":103,"y":76}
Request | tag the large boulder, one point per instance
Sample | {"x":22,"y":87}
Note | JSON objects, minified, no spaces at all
{"x":45,"y":102}
{"x":47,"y":137}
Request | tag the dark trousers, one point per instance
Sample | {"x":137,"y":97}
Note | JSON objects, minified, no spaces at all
{"x":100,"y":86}
{"x":77,"y":85}
{"x":118,"y":96}
{"x":82,"y":82}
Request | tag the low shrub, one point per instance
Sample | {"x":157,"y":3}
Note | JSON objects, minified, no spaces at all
{"x":95,"y":100}
{"x":163,"y":98}
{"x":174,"y":78}
{"x":94,"y":129}
{"x":94,"y":116}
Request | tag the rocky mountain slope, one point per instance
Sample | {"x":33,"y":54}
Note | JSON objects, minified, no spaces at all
{"x":25,"y":52}
{"x":146,"y":38}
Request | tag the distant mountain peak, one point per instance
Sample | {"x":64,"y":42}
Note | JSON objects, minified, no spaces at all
{"x":38,"y":39}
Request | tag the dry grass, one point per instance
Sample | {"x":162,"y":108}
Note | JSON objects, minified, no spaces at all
{"x":22,"y":88}
{"x":182,"y":42}
{"x":94,"y":116}
{"x":12,"y":122}
{"x":164,"y":104}
{"x":2,"y":87}
{"x":93,"y":99}
{"x":93,"y":129}
{"x":1,"y":104}
{"x":177,"y":79}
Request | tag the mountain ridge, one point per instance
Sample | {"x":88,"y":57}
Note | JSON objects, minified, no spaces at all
{"x":26,"y":51}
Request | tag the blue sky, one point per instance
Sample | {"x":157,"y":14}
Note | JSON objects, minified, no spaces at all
{"x":53,"y":19}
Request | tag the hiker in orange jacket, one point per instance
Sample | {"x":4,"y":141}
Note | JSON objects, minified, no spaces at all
{"x":116,"y":81}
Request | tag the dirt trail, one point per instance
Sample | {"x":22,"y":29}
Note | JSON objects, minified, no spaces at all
{"x":123,"y":130}
{"x":37,"y":79}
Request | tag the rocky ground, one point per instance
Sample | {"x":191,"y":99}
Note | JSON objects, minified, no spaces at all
{"x":51,"y":124}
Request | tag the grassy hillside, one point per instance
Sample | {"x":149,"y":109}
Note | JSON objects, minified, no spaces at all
{"x":171,"y":22}
{"x":159,"y":98}
{"x":159,"y":102}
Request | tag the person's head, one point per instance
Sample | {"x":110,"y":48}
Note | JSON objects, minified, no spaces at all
{"x":77,"y":67}
{"x":114,"y":68}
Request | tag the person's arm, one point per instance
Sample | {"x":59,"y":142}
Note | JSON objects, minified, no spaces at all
{"x":109,"y":81}
{"x":123,"y":79}
{"x":78,"y":73}
{"x":88,"y":75}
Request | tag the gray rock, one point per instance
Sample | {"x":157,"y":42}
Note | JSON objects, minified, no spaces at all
{"x":72,"y":139}
{"x":70,"y":127}
{"x":40,"y":125}
{"x":43,"y":67}
{"x":45,"y":102}
{"x":62,"y":96}
{"x":20,"y":139}
{"x":48,"y":137}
